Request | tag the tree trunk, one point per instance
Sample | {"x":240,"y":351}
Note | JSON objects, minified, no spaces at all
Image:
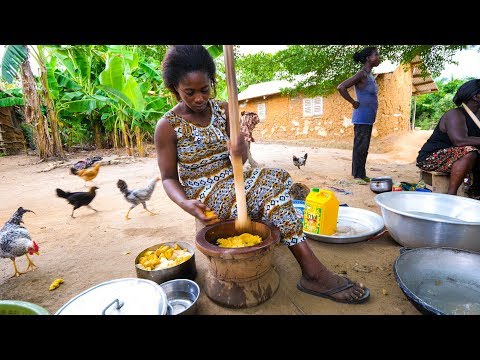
{"x":57,"y":147}
{"x":138,"y":137}
{"x":414,"y":112}
{"x":125,"y":139}
{"x":33,"y":112}
{"x":96,"y":134}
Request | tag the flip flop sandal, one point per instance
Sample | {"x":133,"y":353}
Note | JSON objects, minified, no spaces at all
{"x":328,"y":294}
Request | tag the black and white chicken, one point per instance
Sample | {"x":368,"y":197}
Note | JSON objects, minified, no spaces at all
{"x":137,"y":196}
{"x":15,"y":241}
{"x":300,"y":161}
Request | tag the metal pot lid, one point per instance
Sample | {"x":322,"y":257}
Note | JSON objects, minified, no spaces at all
{"x":381,"y":178}
{"x":129,"y":296}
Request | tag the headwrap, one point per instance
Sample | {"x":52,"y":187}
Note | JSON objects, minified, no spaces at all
{"x":467,"y":91}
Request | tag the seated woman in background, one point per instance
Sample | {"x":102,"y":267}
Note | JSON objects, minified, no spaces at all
{"x":454,"y":145}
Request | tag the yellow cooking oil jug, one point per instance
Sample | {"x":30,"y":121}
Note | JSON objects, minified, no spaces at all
{"x":321,"y":212}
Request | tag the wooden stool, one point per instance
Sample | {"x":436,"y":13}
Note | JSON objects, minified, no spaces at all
{"x":438,"y":182}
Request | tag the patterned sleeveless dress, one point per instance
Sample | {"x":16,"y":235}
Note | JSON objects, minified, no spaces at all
{"x":206,"y":174}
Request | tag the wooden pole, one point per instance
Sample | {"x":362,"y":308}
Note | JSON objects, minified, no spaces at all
{"x":242,"y":223}
{"x":472,"y":115}
{"x":414,"y":111}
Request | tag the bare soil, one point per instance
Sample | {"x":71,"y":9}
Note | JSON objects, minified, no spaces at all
{"x":100,"y":246}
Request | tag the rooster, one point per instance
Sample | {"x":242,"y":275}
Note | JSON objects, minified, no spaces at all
{"x":79,"y":198}
{"x":300,"y":161}
{"x":86,"y":174}
{"x":15,"y":241}
{"x":137,"y":196}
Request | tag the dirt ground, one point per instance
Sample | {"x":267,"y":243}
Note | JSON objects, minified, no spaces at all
{"x":98,"y":247}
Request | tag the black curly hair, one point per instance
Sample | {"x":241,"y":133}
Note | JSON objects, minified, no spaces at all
{"x":362,"y":55}
{"x":180,"y":60}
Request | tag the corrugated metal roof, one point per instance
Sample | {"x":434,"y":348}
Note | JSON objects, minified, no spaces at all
{"x":385,"y":67}
{"x":263,"y":89}
{"x":421,"y":85}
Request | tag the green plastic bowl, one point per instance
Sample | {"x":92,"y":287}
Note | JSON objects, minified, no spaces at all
{"x":15,"y":307}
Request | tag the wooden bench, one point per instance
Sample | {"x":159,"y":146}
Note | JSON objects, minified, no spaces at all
{"x":438,"y":182}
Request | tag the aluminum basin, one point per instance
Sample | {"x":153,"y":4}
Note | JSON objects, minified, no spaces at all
{"x":440,"y":281}
{"x":420,"y":219}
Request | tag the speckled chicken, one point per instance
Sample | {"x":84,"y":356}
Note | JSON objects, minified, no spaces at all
{"x":15,"y":241}
{"x":300,"y":161}
{"x":138,"y":196}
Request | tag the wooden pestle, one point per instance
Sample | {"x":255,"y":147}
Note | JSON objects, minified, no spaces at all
{"x":242,"y":223}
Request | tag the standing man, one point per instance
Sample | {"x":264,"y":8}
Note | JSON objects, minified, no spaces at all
{"x":364,"y":108}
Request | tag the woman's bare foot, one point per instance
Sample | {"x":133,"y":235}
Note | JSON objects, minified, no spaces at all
{"x":336,"y":287}
{"x":319,"y":281}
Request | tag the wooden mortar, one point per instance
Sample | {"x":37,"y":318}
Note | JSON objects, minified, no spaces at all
{"x":239,"y":277}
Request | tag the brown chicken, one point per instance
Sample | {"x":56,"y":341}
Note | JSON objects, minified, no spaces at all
{"x":86,"y":174}
{"x":299,"y":191}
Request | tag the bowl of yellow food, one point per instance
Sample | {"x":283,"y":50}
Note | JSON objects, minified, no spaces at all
{"x":167,"y":261}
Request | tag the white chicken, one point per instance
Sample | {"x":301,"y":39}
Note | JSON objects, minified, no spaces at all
{"x":15,"y":241}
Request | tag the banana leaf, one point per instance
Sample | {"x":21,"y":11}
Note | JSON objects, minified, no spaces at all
{"x":11,"y":101}
{"x":13,"y":57}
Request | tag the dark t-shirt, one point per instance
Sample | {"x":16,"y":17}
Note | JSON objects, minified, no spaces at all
{"x":440,"y":140}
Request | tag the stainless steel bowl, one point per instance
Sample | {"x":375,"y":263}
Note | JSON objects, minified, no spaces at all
{"x":182,"y":296}
{"x":420,"y":219}
{"x":185,"y":270}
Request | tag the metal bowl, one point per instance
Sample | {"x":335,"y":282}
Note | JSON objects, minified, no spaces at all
{"x":185,"y":270}
{"x":420,"y":219}
{"x":440,"y":281}
{"x":182,"y":296}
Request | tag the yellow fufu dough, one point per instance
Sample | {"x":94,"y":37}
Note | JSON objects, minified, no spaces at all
{"x":163,"y":257}
{"x":243,"y":240}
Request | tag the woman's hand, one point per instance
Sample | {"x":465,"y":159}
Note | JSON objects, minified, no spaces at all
{"x":200,"y":211}
{"x":356,"y":104}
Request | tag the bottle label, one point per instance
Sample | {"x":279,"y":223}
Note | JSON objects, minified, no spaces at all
{"x":311,"y":221}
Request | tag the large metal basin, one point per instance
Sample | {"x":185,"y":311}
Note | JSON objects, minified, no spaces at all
{"x":440,"y":281}
{"x":420,"y":219}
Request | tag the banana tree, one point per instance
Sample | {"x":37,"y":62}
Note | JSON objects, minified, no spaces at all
{"x":77,"y":77}
{"x":120,"y":86}
{"x":15,"y":64}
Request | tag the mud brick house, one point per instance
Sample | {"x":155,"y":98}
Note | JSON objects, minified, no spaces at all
{"x":284,"y":117}
{"x":12,"y":140}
